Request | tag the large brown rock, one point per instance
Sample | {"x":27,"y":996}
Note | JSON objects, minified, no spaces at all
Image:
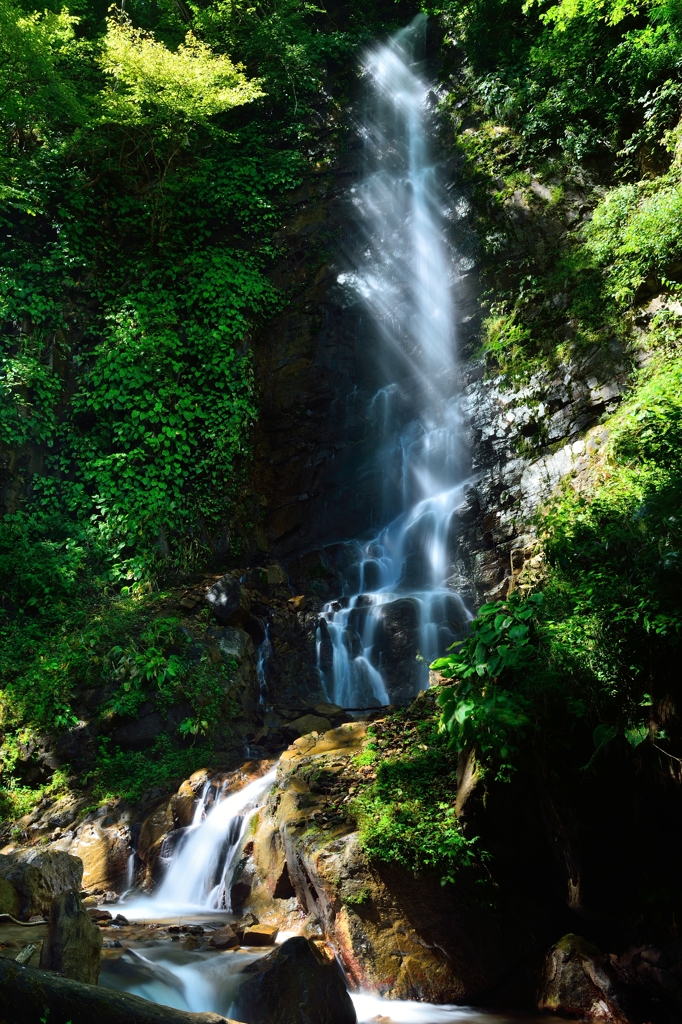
{"x":401,"y":935}
{"x":25,"y":994}
{"x":578,"y":981}
{"x":295,"y":984}
{"x":73,"y":942}
{"x":104,"y":852}
{"x":37,"y":876}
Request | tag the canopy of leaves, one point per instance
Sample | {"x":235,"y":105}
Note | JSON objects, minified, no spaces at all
{"x":149,"y":82}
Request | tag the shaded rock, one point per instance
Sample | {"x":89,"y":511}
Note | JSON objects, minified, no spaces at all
{"x":295,"y":984}
{"x":37,"y":877}
{"x":10,"y":902}
{"x":226,"y":597}
{"x":309,"y":723}
{"x":73,"y":942}
{"x":99,"y":916}
{"x":654,"y":977}
{"x":139,"y":734}
{"x":25,"y":992}
{"x":396,"y":648}
{"x":224,"y":938}
{"x":328,"y":710}
{"x":579,"y":981}
{"x":233,"y":643}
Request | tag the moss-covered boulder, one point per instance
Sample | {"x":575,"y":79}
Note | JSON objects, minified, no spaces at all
{"x":578,"y":981}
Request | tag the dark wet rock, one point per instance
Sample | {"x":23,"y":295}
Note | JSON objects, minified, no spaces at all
{"x":37,"y":876}
{"x":25,"y":992}
{"x":295,"y":984}
{"x":10,"y":902}
{"x":225,"y":598}
{"x":138,"y":735}
{"x":654,"y":977}
{"x":396,"y":647}
{"x":73,"y":942}
{"x":224,"y":938}
{"x":578,"y":981}
{"x":99,"y":916}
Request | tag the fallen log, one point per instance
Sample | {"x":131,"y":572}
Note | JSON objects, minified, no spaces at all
{"x":26,"y":993}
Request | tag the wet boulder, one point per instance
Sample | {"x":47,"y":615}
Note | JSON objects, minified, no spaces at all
{"x":396,"y":645}
{"x":73,"y":942}
{"x":578,"y":981}
{"x":37,"y":876}
{"x":295,"y":984}
{"x":224,"y":938}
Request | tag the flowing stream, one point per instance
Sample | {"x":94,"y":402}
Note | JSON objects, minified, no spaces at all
{"x":196,"y":887}
{"x":199,"y":860}
{"x":396,"y":580}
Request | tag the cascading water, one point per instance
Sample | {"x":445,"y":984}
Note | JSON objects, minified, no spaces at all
{"x":397,"y":613}
{"x":199,"y":860}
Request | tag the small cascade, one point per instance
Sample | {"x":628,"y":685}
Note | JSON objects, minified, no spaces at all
{"x":264,"y":654}
{"x":397,"y":612}
{"x":198,"y":861}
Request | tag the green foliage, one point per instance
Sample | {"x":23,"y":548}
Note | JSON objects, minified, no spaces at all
{"x":147,"y":161}
{"x":407,"y":815}
{"x":636,"y":232}
{"x":592,"y":657}
{"x":489,"y":708}
{"x":128,"y":774}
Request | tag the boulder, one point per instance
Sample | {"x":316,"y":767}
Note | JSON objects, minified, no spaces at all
{"x":223,"y":938}
{"x":37,"y":876}
{"x":578,"y":981}
{"x":309,"y":723}
{"x":25,"y":992}
{"x":260,"y":935}
{"x":9,"y":899}
{"x":139,"y":734}
{"x":295,"y":984}
{"x":73,"y":942}
{"x":227,"y":597}
{"x":104,"y":853}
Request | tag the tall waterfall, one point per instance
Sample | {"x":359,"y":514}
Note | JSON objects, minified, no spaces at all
{"x":397,"y":613}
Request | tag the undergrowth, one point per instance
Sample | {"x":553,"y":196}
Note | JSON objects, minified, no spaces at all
{"x":407,"y":815}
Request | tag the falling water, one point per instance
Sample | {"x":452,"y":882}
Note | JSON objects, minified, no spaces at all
{"x":397,"y":613}
{"x":199,"y":861}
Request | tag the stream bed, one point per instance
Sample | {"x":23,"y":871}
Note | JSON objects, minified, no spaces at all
{"x":155,"y":963}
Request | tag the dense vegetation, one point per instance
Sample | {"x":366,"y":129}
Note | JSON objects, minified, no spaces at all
{"x":147,"y":157}
{"x":572,"y":116}
{"x":147,"y":160}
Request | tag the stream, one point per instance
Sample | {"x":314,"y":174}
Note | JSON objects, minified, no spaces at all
{"x":146,"y":957}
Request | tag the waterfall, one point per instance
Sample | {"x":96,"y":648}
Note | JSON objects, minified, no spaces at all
{"x":199,"y":860}
{"x":397,"y":612}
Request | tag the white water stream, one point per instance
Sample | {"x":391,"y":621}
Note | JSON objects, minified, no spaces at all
{"x":397,"y":579}
{"x":200,"y":860}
